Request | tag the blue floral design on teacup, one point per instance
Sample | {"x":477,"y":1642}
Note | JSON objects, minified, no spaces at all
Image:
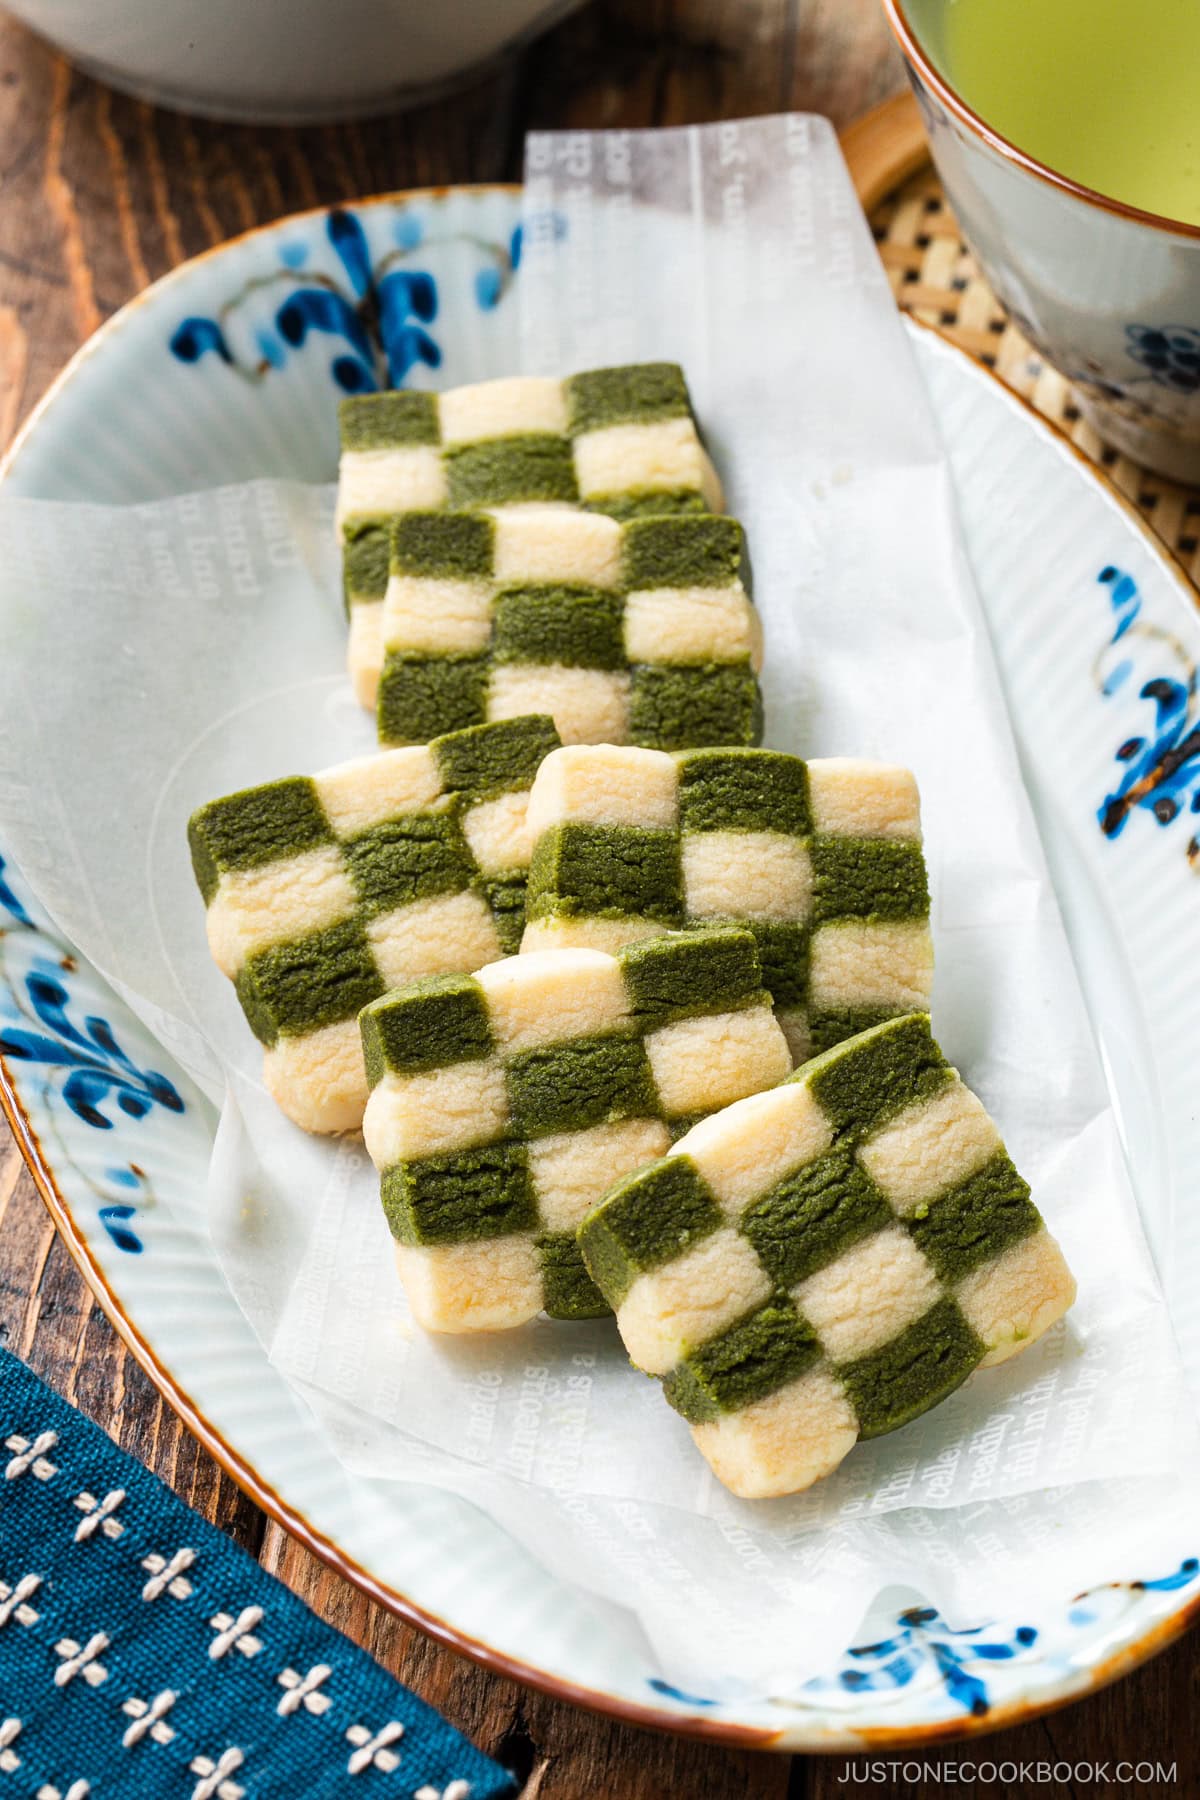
{"x":1170,"y":353}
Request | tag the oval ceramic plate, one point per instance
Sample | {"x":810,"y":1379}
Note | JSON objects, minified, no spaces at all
{"x":228,"y":369}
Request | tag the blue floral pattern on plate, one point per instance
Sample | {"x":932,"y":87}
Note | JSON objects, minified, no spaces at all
{"x":382,"y":309}
{"x":36,"y":1030}
{"x":98,"y":1068}
{"x":925,"y":1650}
{"x":1161,"y":767}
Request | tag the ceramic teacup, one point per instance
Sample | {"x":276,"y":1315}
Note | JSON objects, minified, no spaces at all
{"x":1109,"y":295}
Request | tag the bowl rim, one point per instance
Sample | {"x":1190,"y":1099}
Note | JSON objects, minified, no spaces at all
{"x":790,"y":1739}
{"x":921,"y":67}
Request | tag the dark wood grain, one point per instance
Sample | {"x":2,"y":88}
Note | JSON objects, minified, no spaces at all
{"x":100,"y":195}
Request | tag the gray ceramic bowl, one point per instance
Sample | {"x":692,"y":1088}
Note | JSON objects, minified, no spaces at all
{"x":285,"y":61}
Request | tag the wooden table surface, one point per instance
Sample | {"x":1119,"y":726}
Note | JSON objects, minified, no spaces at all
{"x":100,"y":195}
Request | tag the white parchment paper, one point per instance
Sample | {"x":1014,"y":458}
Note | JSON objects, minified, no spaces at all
{"x":157,"y":656}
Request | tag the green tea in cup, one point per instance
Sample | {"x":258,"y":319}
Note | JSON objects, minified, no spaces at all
{"x":1106,"y":92}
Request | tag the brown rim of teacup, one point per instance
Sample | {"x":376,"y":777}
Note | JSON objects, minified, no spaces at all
{"x":921,"y":64}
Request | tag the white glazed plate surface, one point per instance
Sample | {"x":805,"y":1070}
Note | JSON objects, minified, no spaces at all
{"x":228,"y":370}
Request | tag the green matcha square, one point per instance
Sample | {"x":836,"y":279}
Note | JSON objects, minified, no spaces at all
{"x":649,"y":503}
{"x":409,"y":858}
{"x":580,"y":1082}
{"x":706,"y":550}
{"x":460,"y":1196}
{"x":903,"y":1379}
{"x":868,"y":878}
{"x":569,"y":1291}
{"x":633,"y":395}
{"x":695,"y":972}
{"x":308,"y":983}
{"x":810,"y":1217}
{"x":429,"y":1024}
{"x":830,"y":1026}
{"x":486,"y":760}
{"x":255,"y":827}
{"x":783,"y":952}
{"x":580,"y":627}
{"x":646,"y":1220}
{"x":507,"y":901}
{"x":868,"y":1079}
{"x":675,"y":708}
{"x":976,"y":1220}
{"x":387,"y":421}
{"x":744,"y":790}
{"x":366,"y":558}
{"x":591,"y":870}
{"x":422,"y":697}
{"x":443,"y":546}
{"x":754,"y":1358}
{"x":505,"y":471}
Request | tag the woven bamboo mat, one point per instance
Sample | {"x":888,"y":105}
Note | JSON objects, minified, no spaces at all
{"x":935,"y":278}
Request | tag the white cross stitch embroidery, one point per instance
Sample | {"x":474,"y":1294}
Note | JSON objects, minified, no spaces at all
{"x":233,"y":1632}
{"x":9,"y":1760}
{"x":81,"y":1660}
{"x":374,"y":1750}
{"x":302,"y":1691}
{"x":13,"y":1600}
{"x":31,"y":1456}
{"x":98,"y":1515}
{"x":148,"y":1720}
{"x":214,"y":1783}
{"x":167,"y":1577}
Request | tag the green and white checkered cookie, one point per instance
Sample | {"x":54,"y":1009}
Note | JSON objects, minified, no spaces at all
{"x":826,"y":1261}
{"x":638,"y":631}
{"x":822,"y":860}
{"x":616,"y":441}
{"x":322,"y":892}
{"x":621,"y":441}
{"x":503,"y":1105}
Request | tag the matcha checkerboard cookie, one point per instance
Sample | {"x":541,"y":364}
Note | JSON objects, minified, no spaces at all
{"x":822,"y":860}
{"x":624,"y":631}
{"x":322,"y":892}
{"x":621,"y":441}
{"x":825,"y":1261}
{"x":617,"y":441}
{"x":504,"y":1104}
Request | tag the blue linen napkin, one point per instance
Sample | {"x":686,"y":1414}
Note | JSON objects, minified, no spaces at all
{"x":143,"y":1653}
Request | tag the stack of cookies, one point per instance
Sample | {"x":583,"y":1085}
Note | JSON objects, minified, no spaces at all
{"x":631,"y":1011}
